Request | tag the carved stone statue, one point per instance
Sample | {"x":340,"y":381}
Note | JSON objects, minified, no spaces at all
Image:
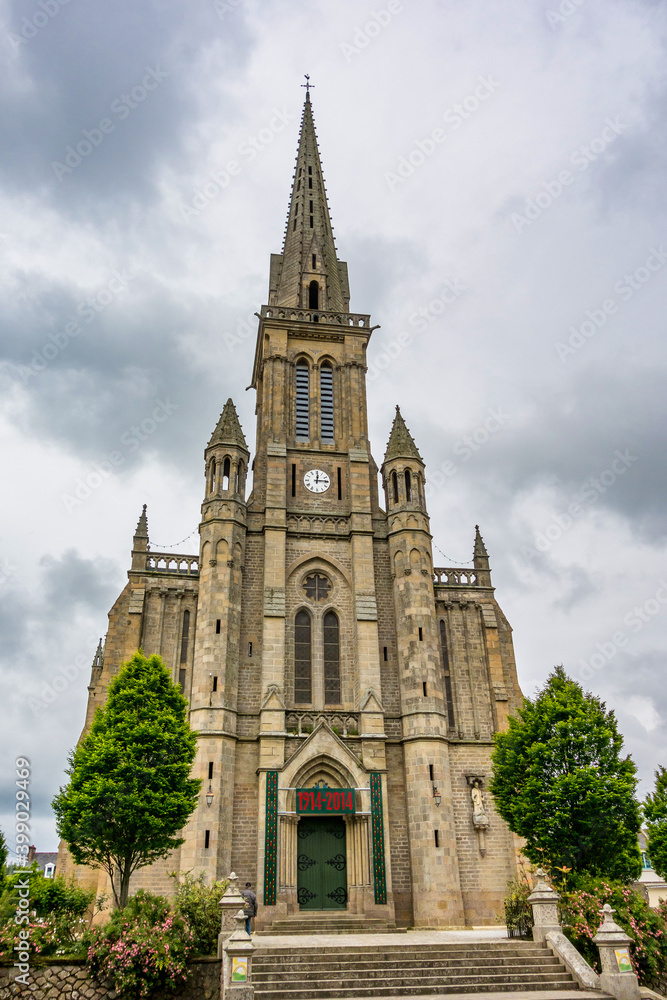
{"x":479,"y":818}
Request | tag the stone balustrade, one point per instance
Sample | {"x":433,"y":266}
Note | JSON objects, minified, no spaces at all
{"x":316,"y":316}
{"x":455,"y":577}
{"x":172,"y":565}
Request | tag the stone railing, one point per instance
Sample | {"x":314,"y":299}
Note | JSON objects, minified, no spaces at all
{"x":316,"y":316}
{"x":174,"y":565}
{"x":303,"y":723}
{"x":446,"y":577}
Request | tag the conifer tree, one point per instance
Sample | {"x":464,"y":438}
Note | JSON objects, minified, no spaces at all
{"x":559,"y":781}
{"x":130,"y":792}
{"x":655,"y":810}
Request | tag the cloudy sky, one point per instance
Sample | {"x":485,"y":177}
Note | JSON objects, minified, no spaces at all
{"x":496,"y":178}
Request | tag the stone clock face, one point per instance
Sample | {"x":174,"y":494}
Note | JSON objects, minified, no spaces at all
{"x":316,"y":481}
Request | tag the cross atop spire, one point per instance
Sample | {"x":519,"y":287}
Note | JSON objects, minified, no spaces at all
{"x":308,"y":84}
{"x":308,"y":274}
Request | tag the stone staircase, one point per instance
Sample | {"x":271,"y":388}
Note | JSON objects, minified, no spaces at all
{"x":330,"y":923}
{"x":329,"y":971}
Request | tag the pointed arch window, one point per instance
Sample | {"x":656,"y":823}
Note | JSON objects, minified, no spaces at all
{"x":447,"y":675}
{"x":302,"y":658}
{"x":326,"y":403}
{"x":185,"y":635}
{"x":226,"y":470}
{"x":331,"y":635}
{"x":302,"y":400}
{"x":408,"y":486}
{"x":394,"y":487}
{"x":314,"y":295}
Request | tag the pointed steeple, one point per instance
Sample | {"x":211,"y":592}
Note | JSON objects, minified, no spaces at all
{"x":98,"y":660}
{"x":308,"y":274}
{"x":142,"y":528}
{"x":401,"y":443}
{"x":480,"y":559}
{"x":228,"y":429}
{"x":480,"y":548}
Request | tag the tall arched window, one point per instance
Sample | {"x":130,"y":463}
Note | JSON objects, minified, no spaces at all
{"x":447,"y":675}
{"x":326,"y":402}
{"x":408,"y":486}
{"x":331,"y":659}
{"x":226,"y":469}
{"x":313,"y":294}
{"x":302,"y":400}
{"x":394,"y":486}
{"x":212,"y":473}
{"x":185,"y":634}
{"x":302,"y":658}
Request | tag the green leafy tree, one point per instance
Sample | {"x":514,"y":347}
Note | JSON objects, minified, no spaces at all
{"x":130,"y":792}
{"x":655,"y":810}
{"x":559,"y":781}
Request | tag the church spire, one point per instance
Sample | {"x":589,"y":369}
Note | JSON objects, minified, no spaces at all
{"x":228,"y":429}
{"x":142,"y":527}
{"x":401,"y":443}
{"x":308,"y":274}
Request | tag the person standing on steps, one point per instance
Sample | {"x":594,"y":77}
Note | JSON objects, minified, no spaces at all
{"x":250,"y":908}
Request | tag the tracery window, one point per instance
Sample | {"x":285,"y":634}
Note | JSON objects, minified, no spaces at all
{"x":317,"y":587}
{"x":302,"y":658}
{"x":331,"y":635}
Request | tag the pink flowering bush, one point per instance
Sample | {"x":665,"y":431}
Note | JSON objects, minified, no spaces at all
{"x":143,"y":949}
{"x":580,"y":908}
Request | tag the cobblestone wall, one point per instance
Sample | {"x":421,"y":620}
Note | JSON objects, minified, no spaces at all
{"x":72,"y":982}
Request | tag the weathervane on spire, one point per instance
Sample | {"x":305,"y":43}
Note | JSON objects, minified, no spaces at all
{"x":307,"y":84}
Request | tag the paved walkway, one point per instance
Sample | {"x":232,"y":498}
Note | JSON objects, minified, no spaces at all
{"x":524,"y":995}
{"x":471,"y":936}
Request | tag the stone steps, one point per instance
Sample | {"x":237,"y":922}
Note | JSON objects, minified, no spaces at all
{"x":331,"y":972}
{"x":333,"y":924}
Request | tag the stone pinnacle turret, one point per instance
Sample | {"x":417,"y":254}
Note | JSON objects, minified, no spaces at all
{"x":228,"y":429}
{"x":401,"y":443}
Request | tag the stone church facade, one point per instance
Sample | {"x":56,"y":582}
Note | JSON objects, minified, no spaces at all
{"x":343,"y":689}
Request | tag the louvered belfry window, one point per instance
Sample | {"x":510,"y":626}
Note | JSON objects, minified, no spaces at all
{"x":447,"y":675}
{"x":326,"y":403}
{"x":331,"y":659}
{"x":302,"y":401}
{"x":302,"y":658}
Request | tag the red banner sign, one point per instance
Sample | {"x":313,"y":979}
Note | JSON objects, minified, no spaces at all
{"x":325,"y":801}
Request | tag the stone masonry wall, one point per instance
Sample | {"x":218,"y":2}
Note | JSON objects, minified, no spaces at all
{"x":71,"y":981}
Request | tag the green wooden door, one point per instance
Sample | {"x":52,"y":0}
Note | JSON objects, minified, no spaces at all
{"x":321,"y":863}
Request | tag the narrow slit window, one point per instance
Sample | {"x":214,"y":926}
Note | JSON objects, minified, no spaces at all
{"x":302,"y":401}
{"x":311,"y":206}
{"x":437,"y":838}
{"x":421,"y":634}
{"x":310,"y":182}
{"x":293,"y":480}
{"x":181,"y":680}
{"x":215,"y":683}
{"x":185,"y":633}
{"x":331,"y":659}
{"x":313,"y":295}
{"x":249,"y":649}
{"x":314,"y":261}
{"x":302,"y":658}
{"x":447,"y":675}
{"x":424,"y":688}
{"x":217,"y":626}
{"x":408,"y":486}
{"x":384,"y":654}
{"x":207,"y":839}
{"x":311,"y":222}
{"x":327,"y":406}
{"x":394,"y":486}
{"x":430,"y":772}
{"x":210,"y":769}
{"x":340,"y":482}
